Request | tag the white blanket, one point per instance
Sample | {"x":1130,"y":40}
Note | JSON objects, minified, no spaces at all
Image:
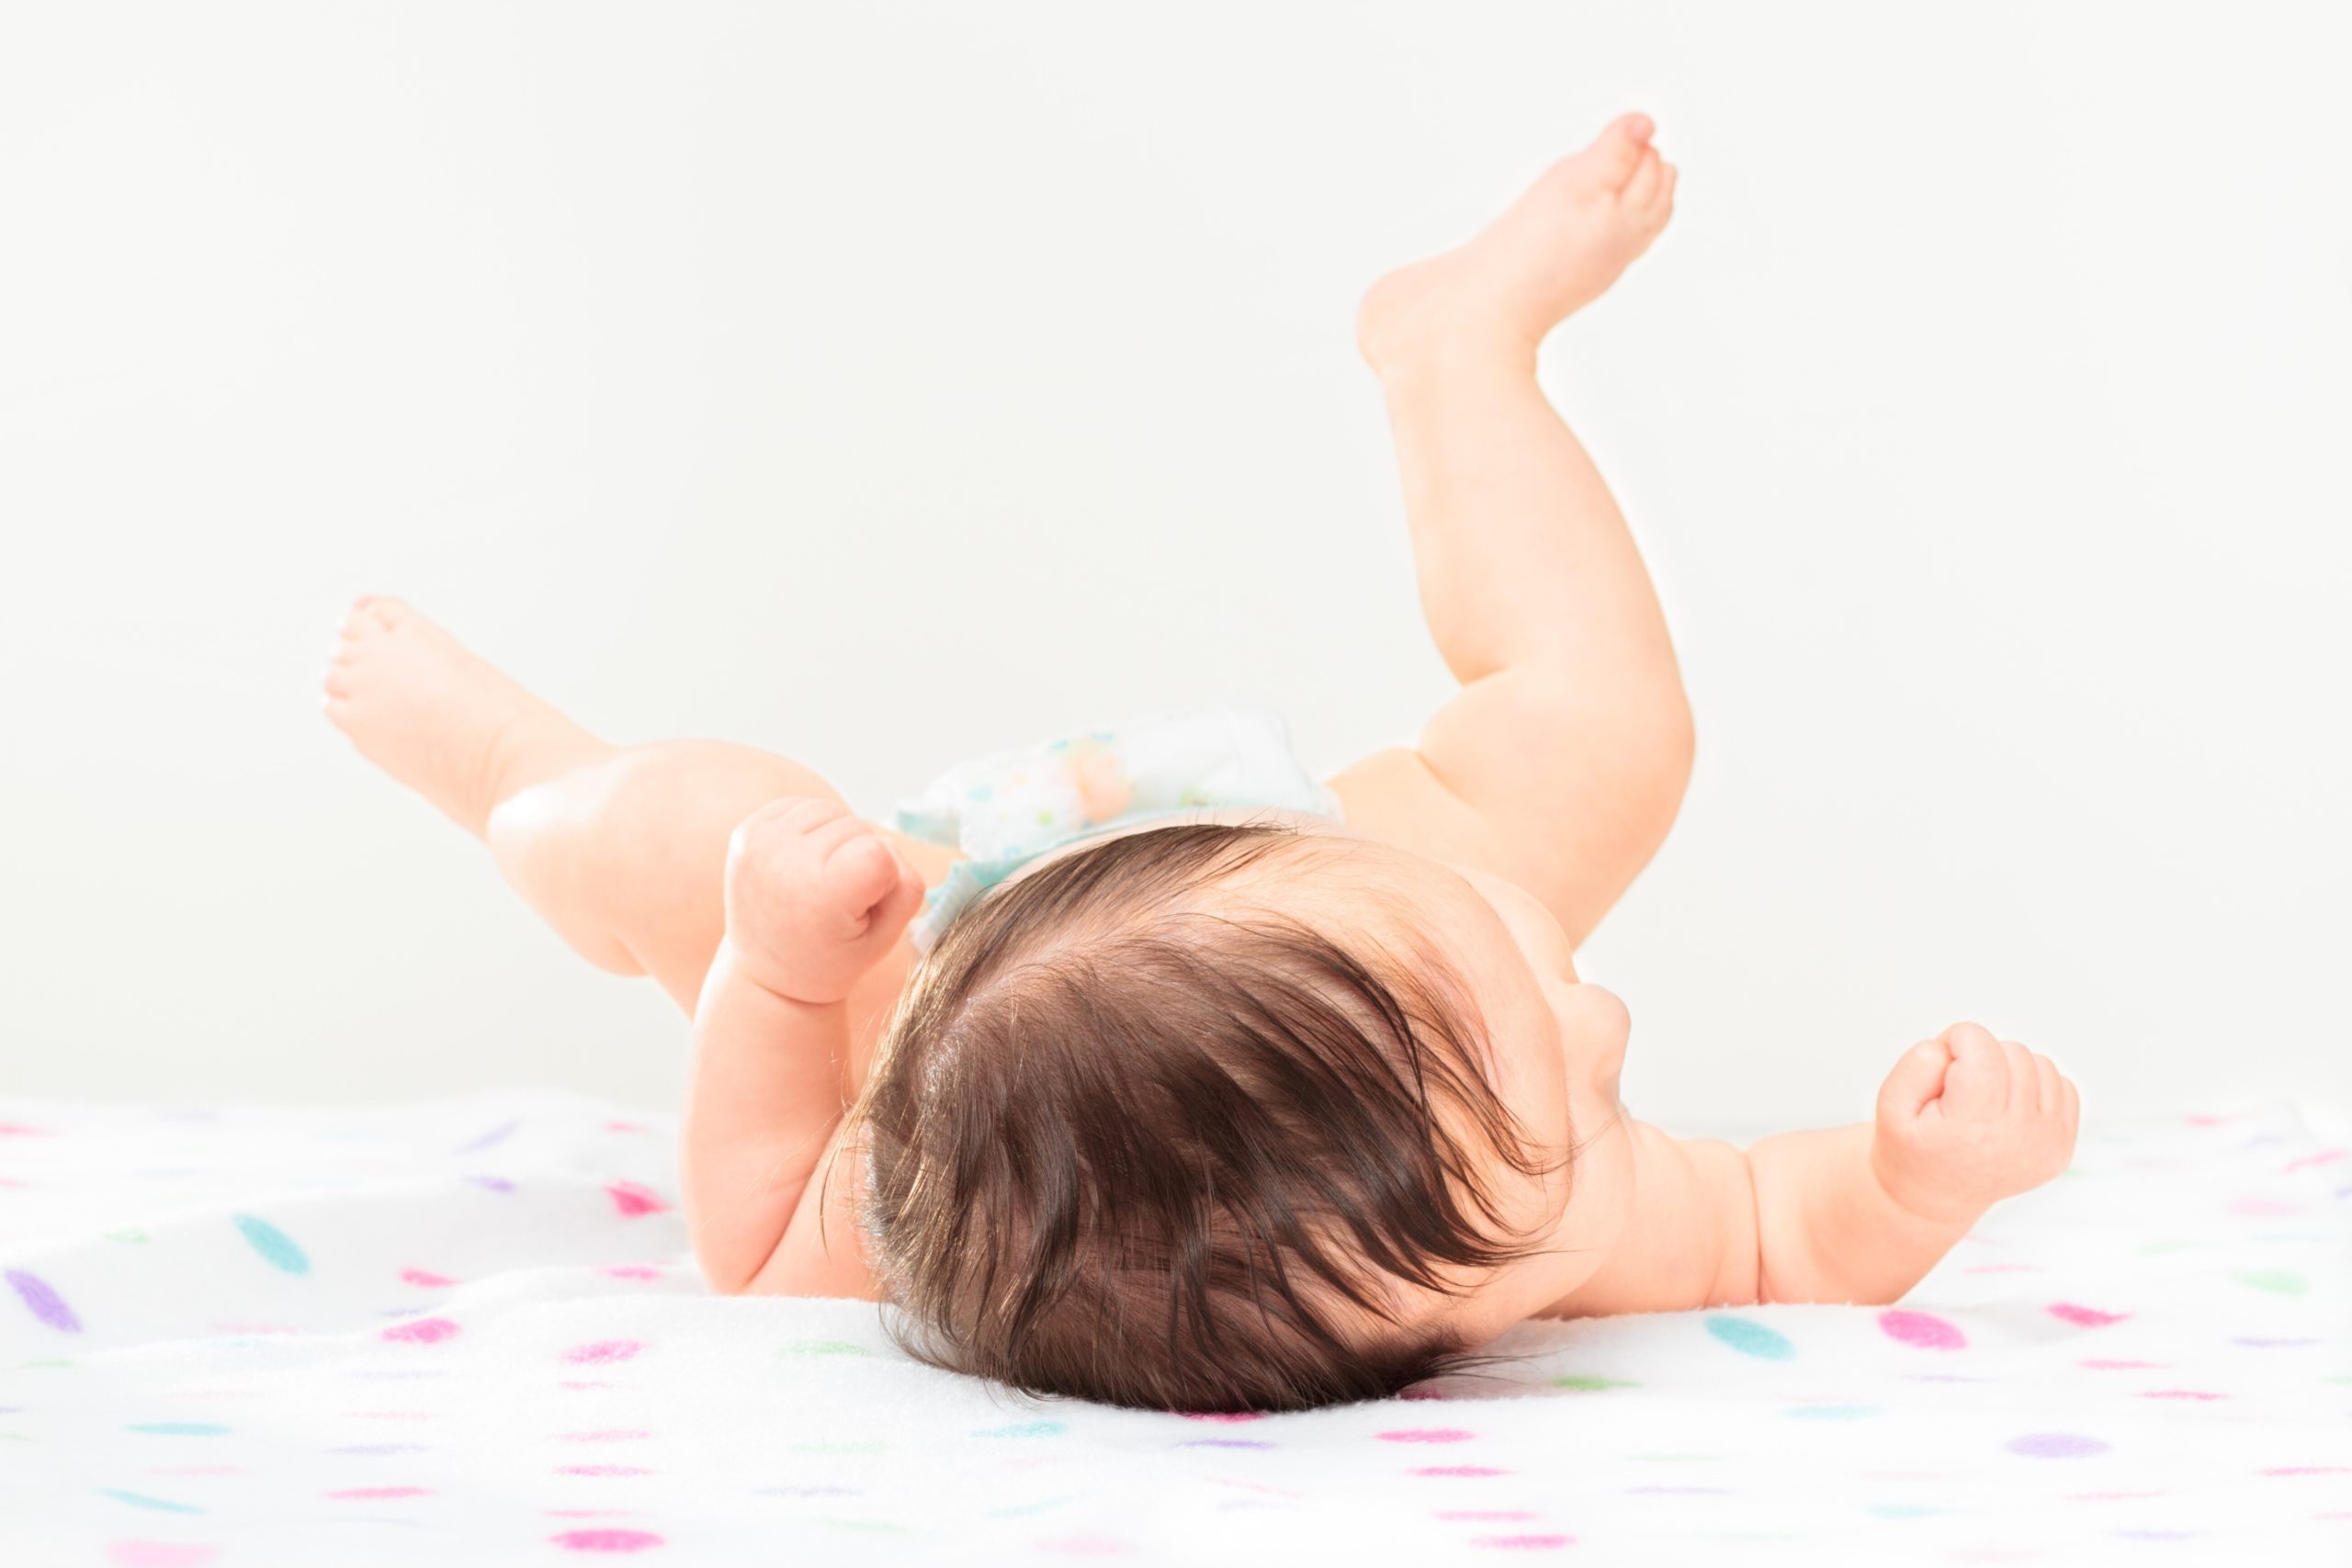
{"x":470,"y":1333}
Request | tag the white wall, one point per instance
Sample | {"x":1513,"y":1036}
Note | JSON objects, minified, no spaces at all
{"x":883,"y":387}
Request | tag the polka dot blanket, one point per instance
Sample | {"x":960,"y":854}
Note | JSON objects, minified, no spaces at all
{"x":469,"y":1332}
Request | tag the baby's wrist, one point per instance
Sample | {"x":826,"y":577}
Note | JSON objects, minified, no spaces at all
{"x":1921,"y":1198}
{"x":754,"y":967}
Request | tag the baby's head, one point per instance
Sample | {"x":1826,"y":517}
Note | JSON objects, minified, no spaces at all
{"x":1219,"y":1118}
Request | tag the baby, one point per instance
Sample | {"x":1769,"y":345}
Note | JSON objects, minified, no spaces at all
{"x":1145,"y":1069}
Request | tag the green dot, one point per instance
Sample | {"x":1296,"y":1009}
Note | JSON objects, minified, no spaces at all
{"x":868,"y":1526}
{"x":1584,"y":1383}
{"x":822,"y":1348}
{"x":2158,"y":1248}
{"x":129,"y":1237}
{"x":1045,"y":818}
{"x":2277,"y":1282}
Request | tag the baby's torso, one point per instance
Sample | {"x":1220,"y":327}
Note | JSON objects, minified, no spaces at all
{"x":1003,"y":817}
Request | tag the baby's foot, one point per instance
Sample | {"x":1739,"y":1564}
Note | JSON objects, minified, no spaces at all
{"x":438,"y":718}
{"x":1551,"y":253}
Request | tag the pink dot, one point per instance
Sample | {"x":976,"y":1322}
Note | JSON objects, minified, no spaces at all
{"x":1457,"y":1469}
{"x":1487,"y":1516}
{"x":2055,"y":1445}
{"x":1522,"y":1542}
{"x":2085,"y":1317}
{"x":2325,"y":1156}
{"x":633,"y":1272}
{"x":605,"y":1541}
{"x":423,"y":1331}
{"x":428,"y":1278}
{"x":2181,"y":1393}
{"x":597,"y":1350}
{"x":371,"y":1494}
{"x":633,"y":1200}
{"x":602,"y":1470}
{"x":1426,"y":1435}
{"x":160,"y":1554}
{"x":1919,"y":1329}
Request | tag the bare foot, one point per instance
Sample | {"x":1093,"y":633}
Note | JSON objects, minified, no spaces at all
{"x":438,"y":718}
{"x":1551,"y":253}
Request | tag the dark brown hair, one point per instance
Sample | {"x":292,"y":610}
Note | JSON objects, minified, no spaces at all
{"x":1123,"y":1143}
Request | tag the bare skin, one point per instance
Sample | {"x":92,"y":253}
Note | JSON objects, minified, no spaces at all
{"x":744,"y":886}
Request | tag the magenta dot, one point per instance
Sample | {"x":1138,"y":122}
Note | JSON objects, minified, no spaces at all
{"x":1426,"y":1435}
{"x":605,"y":1541}
{"x":1917,"y":1329}
{"x":427,"y":1279}
{"x":1457,"y":1469}
{"x":603,"y":1350}
{"x":374,"y":1494}
{"x":2085,"y":1317}
{"x":1522,"y":1542}
{"x":633,"y":1272}
{"x":2055,"y":1445}
{"x":602,"y":1470}
{"x":423,"y":1331}
{"x":632,"y":1199}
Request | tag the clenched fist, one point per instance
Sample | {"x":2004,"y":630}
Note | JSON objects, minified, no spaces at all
{"x":815,"y":896}
{"x":1965,"y":1120}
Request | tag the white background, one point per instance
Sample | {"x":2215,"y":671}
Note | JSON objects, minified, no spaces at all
{"x":884,"y":386}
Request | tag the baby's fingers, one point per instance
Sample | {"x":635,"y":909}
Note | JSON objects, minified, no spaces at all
{"x":1915,"y":1081}
{"x":860,"y":873}
{"x":2025,"y":1078}
{"x":2052,"y":1087}
{"x":1977,"y":1088}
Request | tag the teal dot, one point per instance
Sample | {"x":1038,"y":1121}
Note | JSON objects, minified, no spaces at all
{"x":277,"y":1248}
{"x":1022,"y":1430}
{"x":180,"y":1428}
{"x":1751,"y":1339}
{"x":141,"y":1500}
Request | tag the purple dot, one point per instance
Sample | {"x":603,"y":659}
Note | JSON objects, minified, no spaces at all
{"x":2055,"y":1445}
{"x":43,"y":1302}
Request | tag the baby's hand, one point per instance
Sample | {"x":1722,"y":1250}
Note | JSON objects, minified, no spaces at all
{"x":1965,"y":1121}
{"x":815,"y":896}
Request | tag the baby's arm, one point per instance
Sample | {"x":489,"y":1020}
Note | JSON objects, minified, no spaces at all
{"x":1856,"y":1213}
{"x":1861,"y":1213}
{"x":814,"y":897}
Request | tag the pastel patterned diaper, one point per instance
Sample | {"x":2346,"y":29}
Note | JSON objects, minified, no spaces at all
{"x":1006,"y":809}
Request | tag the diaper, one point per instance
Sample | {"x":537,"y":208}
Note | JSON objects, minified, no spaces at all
{"x":1005,"y":809}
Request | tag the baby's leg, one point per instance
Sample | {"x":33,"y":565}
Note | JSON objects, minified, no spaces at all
{"x":1562,"y":761}
{"x":621,"y":849}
